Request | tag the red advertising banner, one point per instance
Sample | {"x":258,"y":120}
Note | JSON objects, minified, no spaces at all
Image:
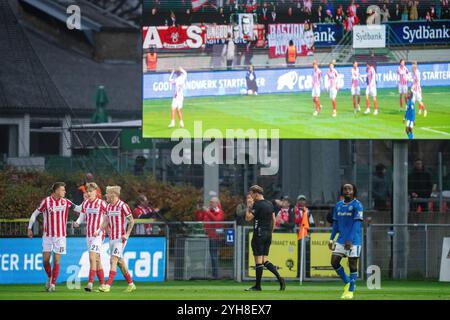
{"x":181,"y":37}
{"x":280,"y":34}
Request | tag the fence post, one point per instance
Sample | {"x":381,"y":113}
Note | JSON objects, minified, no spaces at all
{"x":426,"y":251}
{"x":167,"y":251}
{"x":238,"y":254}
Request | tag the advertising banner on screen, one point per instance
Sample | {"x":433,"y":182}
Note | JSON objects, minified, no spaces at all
{"x":371,"y":36}
{"x":220,"y":83}
{"x":170,"y":38}
{"x":218,"y":34}
{"x":280,"y":34}
{"x":327,"y":35}
{"x":21,"y":260}
{"x":421,"y":32}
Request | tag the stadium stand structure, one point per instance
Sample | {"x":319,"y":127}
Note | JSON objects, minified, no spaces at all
{"x":44,"y":85}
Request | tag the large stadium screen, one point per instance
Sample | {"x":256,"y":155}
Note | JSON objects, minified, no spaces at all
{"x":243,"y":73}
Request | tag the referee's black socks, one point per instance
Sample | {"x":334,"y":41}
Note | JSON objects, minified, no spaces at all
{"x":272,"y":269}
{"x":259,"y":268}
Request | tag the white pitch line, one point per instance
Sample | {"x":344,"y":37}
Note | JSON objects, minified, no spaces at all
{"x":436,"y":131}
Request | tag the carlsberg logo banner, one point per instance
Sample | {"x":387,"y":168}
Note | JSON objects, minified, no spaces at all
{"x":371,"y":36}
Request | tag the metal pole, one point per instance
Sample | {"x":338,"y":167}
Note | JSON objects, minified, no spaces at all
{"x":426,"y":251}
{"x":167,"y":251}
{"x":302,"y":255}
{"x":369,"y":187}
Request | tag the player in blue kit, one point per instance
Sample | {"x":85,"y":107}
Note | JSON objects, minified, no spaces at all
{"x":347,"y":222}
{"x":410,"y":116}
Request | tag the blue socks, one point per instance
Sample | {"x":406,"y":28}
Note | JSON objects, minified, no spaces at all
{"x":410,"y":136}
{"x":353,"y":277}
{"x":341,"y":273}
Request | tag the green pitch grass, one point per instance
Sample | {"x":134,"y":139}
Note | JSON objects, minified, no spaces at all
{"x":292,"y":115}
{"x":230,"y":290}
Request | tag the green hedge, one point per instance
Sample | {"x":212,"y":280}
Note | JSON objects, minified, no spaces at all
{"x":21,"y":193}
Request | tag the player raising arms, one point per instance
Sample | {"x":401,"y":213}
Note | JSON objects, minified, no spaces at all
{"x":179,"y":78}
{"x":371,"y":89}
{"x":410,"y":116}
{"x":93,"y":210}
{"x":317,"y":78}
{"x":55,"y":209}
{"x":403,"y":74}
{"x":332,"y":76}
{"x":118,"y":212}
{"x":347,"y":221}
{"x":417,"y":90}
{"x":356,"y":89}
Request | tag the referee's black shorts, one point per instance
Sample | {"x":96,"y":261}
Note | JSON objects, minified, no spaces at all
{"x":261,"y":243}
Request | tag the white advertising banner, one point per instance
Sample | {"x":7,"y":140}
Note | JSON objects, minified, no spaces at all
{"x":371,"y":36}
{"x":445,"y":261}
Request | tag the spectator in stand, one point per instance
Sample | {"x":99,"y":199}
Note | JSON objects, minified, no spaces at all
{"x":152,"y":59}
{"x":291,"y":54}
{"x":187,"y":18}
{"x":155,"y":17}
{"x":289,"y":17}
{"x":405,"y":12}
{"x":350,"y":21}
{"x":221,"y":17}
{"x":263,"y":13}
{"x":273,"y":16}
{"x":89,"y":177}
{"x":384,"y":12}
{"x":319,"y":16}
{"x":241,"y":209}
{"x":307,"y":6}
{"x":251,"y":6}
{"x":172,"y":20}
{"x":285,"y":220}
{"x":419,"y":185}
{"x":143,"y":210}
{"x":396,"y":13}
{"x":413,"y":13}
{"x":445,"y":9}
{"x":300,"y":209}
{"x":329,"y":17}
{"x":339,"y":17}
{"x":433,"y":15}
{"x":381,"y":188}
{"x":214,"y":231}
{"x":327,"y":5}
{"x":352,"y":8}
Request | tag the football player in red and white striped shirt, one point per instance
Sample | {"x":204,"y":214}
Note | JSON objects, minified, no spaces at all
{"x":417,"y":89}
{"x":356,"y":89}
{"x":317,"y":78}
{"x":55,"y":209}
{"x":403,"y":74}
{"x":119,"y":216}
{"x":371,"y":89}
{"x":333,"y":76}
{"x":93,"y":210}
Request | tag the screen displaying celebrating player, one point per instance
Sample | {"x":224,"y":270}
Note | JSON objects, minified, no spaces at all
{"x":332,"y":79}
{"x":119,"y":216}
{"x":347,"y":222}
{"x":371,"y":89}
{"x":179,"y":79}
{"x":417,"y":90}
{"x":317,"y":78}
{"x":356,"y":89}
{"x":93,"y":211}
{"x":410,"y":116}
{"x":403,"y":75}
{"x":55,"y":209}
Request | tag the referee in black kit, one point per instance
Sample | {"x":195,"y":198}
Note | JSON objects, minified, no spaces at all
{"x":262,"y":212}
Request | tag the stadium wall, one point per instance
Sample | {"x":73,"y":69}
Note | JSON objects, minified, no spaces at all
{"x":219,"y":83}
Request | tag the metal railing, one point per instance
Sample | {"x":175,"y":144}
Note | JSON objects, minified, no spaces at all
{"x":406,"y":251}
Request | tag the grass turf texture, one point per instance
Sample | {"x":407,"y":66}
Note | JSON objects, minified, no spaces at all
{"x":291,"y":113}
{"x":229,"y":290}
